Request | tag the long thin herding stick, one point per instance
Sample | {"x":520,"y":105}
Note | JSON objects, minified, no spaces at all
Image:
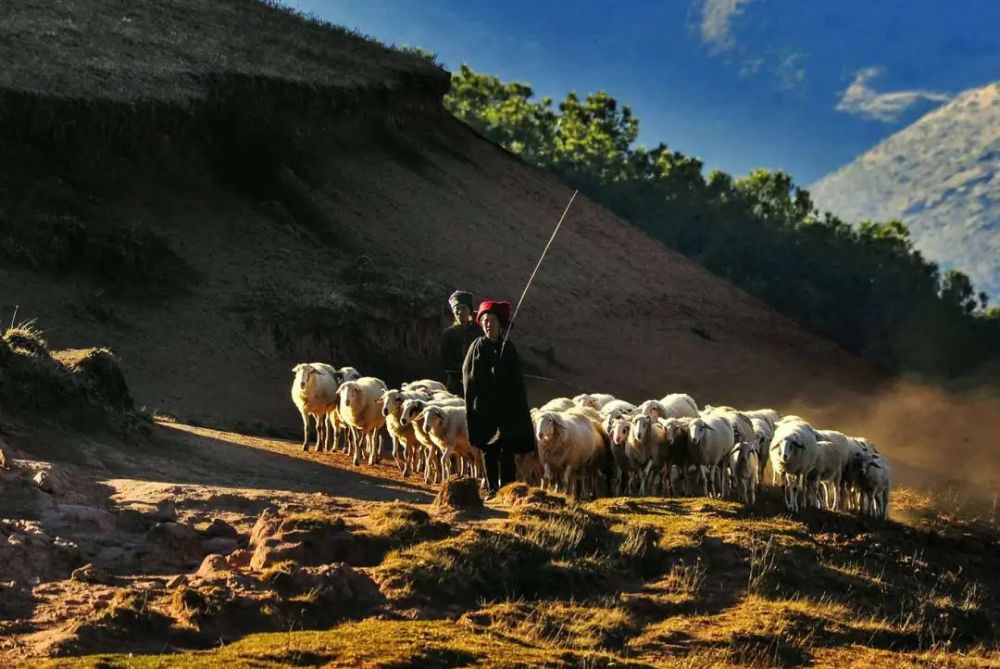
{"x":510,"y":326}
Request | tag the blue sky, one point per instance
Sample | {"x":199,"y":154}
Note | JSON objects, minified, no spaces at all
{"x":799,"y":85}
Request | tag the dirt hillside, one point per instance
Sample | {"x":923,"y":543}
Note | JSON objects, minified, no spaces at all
{"x":263,"y":210}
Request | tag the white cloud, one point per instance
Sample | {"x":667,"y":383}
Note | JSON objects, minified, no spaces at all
{"x":717,"y":22}
{"x":861,"y":99}
{"x":791,"y":71}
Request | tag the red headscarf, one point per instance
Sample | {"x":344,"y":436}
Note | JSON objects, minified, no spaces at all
{"x":499,"y":307}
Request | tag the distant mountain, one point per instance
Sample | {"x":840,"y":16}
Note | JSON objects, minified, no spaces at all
{"x":941,"y":176}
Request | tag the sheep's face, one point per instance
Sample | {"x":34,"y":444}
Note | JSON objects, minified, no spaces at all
{"x":640,"y":427}
{"x":305,"y":374}
{"x":410,"y":410}
{"x":391,"y":403}
{"x":791,"y":449}
{"x":698,"y":431}
{"x":742,"y":454}
{"x":433,"y":418}
{"x":653,"y":410}
{"x":619,"y":431}
{"x":547,"y":427}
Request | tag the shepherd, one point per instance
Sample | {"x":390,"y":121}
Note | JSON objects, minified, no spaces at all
{"x":496,"y":402}
{"x":455,"y":340}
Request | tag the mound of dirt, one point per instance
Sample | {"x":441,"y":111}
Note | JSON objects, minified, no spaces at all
{"x":84,"y":387}
{"x":101,"y":370}
{"x":459,"y":494}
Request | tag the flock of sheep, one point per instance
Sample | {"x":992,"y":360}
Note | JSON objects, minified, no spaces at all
{"x":595,"y":444}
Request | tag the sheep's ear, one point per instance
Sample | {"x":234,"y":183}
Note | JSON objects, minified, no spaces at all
{"x":708,"y":427}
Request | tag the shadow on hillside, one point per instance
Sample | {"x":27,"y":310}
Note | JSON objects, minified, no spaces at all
{"x":182,"y":457}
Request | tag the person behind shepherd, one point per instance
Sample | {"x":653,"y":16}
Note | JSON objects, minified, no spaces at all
{"x":455,"y":340}
{"x":496,"y":403}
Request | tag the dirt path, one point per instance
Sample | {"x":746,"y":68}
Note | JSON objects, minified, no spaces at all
{"x":224,"y":460}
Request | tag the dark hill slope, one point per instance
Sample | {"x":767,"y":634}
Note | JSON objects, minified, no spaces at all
{"x":249,"y":191}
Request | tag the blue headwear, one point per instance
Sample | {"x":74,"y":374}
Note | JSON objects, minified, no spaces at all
{"x":460,"y":297}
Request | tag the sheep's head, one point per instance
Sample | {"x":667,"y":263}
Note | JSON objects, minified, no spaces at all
{"x":699,"y":430}
{"x":874,"y":468}
{"x":304,"y":373}
{"x":640,"y":427}
{"x":348,"y":374}
{"x":392,"y":402}
{"x":615,"y":413}
{"x":653,"y":409}
{"x":410,"y":411}
{"x":619,"y":430}
{"x":549,"y":425}
{"x":433,"y":417}
{"x":791,"y":448}
{"x":741,"y":453}
{"x":673,"y":427}
{"x":350,"y":393}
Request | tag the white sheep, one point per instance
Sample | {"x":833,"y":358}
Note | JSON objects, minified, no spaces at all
{"x":793,"y":454}
{"x":425,"y":384}
{"x":448,"y":430}
{"x":671,"y":406}
{"x":646,"y":450}
{"x":742,"y":425}
{"x":616,"y":429}
{"x":557,"y":404}
{"x":617,"y":408}
{"x":361,"y":410}
{"x":678,"y":453}
{"x":679,"y":405}
{"x":336,"y":427}
{"x":593,"y":400}
{"x":711,"y":439}
{"x":743,"y":465}
{"x":828,"y":468}
{"x":404,"y":443}
{"x":314,"y":393}
{"x":411,"y":416}
{"x":570,"y":443}
{"x":770,"y":416}
{"x":763,"y":432}
{"x":876,"y":485}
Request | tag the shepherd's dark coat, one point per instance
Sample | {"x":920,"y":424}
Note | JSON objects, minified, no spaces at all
{"x":495,"y":398}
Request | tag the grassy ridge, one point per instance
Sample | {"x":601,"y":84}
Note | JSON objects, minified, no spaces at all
{"x":169,"y":50}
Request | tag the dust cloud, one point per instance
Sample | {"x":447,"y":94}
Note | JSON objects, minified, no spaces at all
{"x":933,"y":438}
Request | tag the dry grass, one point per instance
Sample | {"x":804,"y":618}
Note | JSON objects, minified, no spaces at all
{"x":602,"y":624}
{"x":172,"y":50}
{"x":537,"y":551}
{"x":651,"y":582}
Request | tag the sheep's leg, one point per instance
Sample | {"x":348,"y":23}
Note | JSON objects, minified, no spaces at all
{"x":320,"y":432}
{"x":355,"y":447}
{"x":305,"y":431}
{"x":568,"y":480}
{"x":396,"y":452}
{"x":428,"y":470}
